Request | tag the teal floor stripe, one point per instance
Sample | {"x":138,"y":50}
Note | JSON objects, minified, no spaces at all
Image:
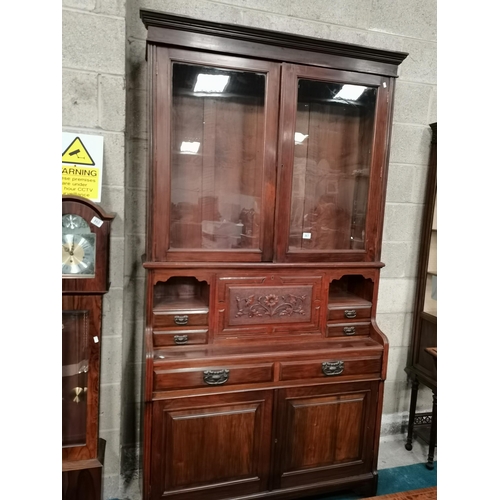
{"x":410,"y":477}
{"x":405,"y":478}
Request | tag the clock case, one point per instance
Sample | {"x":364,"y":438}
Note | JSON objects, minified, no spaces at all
{"x":88,"y":210}
{"x":83,"y":458}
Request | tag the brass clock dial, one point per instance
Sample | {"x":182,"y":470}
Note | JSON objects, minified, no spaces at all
{"x":78,"y":254}
{"x":78,"y":248}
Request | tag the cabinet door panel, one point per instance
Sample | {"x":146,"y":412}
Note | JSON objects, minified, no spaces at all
{"x":215,"y":123}
{"x":333,"y":158}
{"x":270,"y":305}
{"x":211,"y":446}
{"x":325,"y":432}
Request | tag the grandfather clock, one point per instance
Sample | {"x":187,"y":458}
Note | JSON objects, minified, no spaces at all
{"x":85,"y":269}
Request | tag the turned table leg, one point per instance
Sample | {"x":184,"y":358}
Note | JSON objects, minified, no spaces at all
{"x":413,"y":406}
{"x":432,"y":440}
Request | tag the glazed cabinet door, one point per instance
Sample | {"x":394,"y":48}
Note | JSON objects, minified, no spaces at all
{"x":214,"y":156}
{"x":211,"y":447}
{"x":333,"y":142}
{"x":325,"y":432}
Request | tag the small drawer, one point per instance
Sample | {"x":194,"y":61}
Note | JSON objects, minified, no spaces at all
{"x":179,"y":318}
{"x":185,"y":378}
{"x":179,"y":337}
{"x":347,"y":329}
{"x":331,"y":368}
{"x":345,"y":312}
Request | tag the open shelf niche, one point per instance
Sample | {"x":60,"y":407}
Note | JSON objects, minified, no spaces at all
{"x":181,"y":292}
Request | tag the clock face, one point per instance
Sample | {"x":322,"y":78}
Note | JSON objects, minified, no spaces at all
{"x":78,"y":248}
{"x":78,"y":255}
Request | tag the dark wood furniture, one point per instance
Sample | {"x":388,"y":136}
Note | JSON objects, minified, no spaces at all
{"x":422,"y":365}
{"x":85,"y":252}
{"x":264,"y":366}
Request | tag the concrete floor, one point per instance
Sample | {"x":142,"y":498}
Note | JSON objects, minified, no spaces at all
{"x":392,"y":452}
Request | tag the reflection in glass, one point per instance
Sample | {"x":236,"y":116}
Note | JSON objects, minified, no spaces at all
{"x":216,"y":158}
{"x":331,"y":171}
{"x":75,"y":365}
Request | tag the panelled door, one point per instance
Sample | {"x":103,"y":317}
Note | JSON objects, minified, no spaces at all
{"x":324,"y":432}
{"x":211,"y":447}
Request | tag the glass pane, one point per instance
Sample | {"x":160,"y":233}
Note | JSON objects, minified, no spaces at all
{"x":430,"y":299}
{"x":216,"y":158}
{"x":331,"y":171}
{"x":75,"y":365}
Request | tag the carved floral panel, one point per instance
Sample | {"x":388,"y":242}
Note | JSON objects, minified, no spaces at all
{"x":259,"y":305}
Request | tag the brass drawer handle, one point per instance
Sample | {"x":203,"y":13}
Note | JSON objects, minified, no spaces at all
{"x":332,"y":368}
{"x":215,"y":377}
{"x":350,"y":313}
{"x":349,"y":330}
{"x":180,"y":339}
{"x":181,"y":320}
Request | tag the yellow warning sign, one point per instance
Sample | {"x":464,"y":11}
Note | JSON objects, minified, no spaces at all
{"x":77,"y":154}
{"x":82,"y":165}
{"x":83,"y":181}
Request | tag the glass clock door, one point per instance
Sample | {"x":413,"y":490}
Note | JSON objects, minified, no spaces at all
{"x":75,"y":367}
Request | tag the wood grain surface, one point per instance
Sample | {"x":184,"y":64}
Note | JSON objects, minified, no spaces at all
{"x":421,"y":494}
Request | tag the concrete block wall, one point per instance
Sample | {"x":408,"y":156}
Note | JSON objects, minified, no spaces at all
{"x":104,"y":91}
{"x":93,"y":102}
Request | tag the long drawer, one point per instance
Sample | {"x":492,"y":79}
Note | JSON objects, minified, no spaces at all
{"x":322,"y":368}
{"x":186,"y":378}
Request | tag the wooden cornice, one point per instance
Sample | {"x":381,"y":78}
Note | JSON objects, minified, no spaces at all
{"x":158,"y":19}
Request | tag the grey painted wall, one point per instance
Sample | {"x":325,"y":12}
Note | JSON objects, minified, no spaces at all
{"x":104,"y":93}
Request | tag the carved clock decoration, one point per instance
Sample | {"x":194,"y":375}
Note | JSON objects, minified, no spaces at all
{"x":85,"y":269}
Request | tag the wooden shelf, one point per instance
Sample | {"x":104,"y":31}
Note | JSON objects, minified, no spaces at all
{"x":174,"y":304}
{"x":347,"y":298}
